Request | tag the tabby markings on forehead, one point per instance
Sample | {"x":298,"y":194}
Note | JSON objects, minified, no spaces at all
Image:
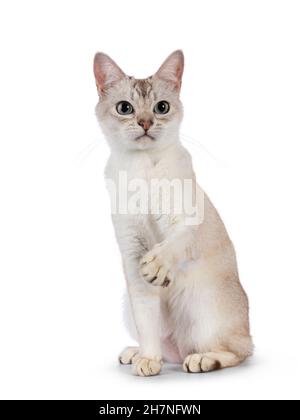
{"x":143,"y":87}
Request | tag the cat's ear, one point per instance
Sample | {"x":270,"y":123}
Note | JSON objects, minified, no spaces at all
{"x":106,"y":72}
{"x":172,"y":69}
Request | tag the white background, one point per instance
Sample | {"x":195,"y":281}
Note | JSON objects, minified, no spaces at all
{"x":60,"y":271}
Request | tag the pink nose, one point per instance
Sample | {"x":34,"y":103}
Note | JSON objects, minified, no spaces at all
{"x":146,"y":124}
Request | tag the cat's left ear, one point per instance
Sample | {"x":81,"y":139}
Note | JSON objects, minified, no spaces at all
{"x":106,"y":72}
{"x":172,"y":69}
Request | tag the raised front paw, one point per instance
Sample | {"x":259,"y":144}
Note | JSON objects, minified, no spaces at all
{"x":156,"y":267}
{"x":142,"y":366}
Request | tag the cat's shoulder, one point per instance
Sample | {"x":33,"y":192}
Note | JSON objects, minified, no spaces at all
{"x":110,"y":167}
{"x":181,"y":157}
{"x":177,"y":163}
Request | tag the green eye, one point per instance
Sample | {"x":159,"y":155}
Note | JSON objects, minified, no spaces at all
{"x":124,"y":108}
{"x":162,"y":107}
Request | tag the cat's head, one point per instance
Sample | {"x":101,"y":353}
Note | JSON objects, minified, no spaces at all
{"x":139,"y":114}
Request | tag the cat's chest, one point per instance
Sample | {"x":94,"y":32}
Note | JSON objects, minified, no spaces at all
{"x":137,"y":178}
{"x":144,"y":169}
{"x":144,"y":191}
{"x":135,"y":201}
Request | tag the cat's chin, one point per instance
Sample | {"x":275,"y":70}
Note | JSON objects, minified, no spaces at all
{"x":144,"y":142}
{"x":145,"y":137}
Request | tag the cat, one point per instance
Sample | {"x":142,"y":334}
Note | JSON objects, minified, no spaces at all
{"x":185,"y":297}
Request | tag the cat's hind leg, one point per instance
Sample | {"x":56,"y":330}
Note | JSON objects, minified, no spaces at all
{"x":210,"y":316}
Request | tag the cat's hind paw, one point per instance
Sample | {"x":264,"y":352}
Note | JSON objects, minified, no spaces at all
{"x":200,"y":363}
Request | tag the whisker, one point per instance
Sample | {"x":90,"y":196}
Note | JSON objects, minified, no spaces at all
{"x":86,"y":152}
{"x":190,"y":140}
{"x":193,"y":147}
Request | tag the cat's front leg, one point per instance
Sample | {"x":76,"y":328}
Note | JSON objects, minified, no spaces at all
{"x":158,"y":266}
{"x":145,"y":303}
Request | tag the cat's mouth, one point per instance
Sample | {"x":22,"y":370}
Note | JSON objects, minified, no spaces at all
{"x":145,"y":136}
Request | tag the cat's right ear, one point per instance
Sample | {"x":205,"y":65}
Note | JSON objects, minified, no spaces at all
{"x":106,"y":72}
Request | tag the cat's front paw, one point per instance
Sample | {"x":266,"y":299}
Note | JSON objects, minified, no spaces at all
{"x":128,"y":355}
{"x":156,"y":267}
{"x":142,"y":366}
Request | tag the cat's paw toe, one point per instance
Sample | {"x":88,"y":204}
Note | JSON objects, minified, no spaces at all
{"x":143,"y":366}
{"x":209,"y":364}
{"x":155,"y":268}
{"x":200,"y":363}
{"x":128,"y":355}
{"x":192,"y":363}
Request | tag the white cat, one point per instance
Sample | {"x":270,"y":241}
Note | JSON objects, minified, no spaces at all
{"x":187,"y":303}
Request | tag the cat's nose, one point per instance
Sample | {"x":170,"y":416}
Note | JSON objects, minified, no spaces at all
{"x":146,"y":124}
